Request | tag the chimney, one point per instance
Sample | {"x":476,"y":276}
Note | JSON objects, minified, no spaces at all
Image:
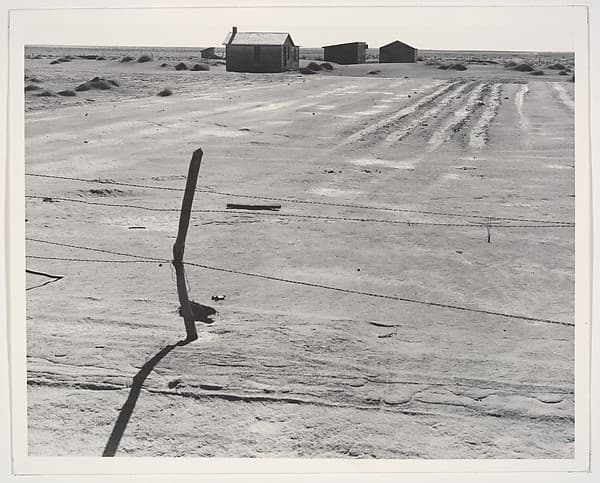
{"x":233,"y":33}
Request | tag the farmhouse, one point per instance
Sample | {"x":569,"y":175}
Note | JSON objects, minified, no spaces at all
{"x":350,"y":53}
{"x":208,"y":53}
{"x":397,"y":51}
{"x":260,"y":52}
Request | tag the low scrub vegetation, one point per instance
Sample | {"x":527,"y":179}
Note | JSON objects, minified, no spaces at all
{"x":523,"y":68}
{"x":456,"y":66}
{"x":99,"y":83}
{"x":197,"y":67}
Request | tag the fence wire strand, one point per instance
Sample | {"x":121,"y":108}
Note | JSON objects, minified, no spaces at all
{"x":294,"y":200}
{"x":308,"y":284}
{"x":483,"y":223}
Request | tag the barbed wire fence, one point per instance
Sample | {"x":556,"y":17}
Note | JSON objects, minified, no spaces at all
{"x":475,"y":221}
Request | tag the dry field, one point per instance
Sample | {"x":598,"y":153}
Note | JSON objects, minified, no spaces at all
{"x":410,"y":335}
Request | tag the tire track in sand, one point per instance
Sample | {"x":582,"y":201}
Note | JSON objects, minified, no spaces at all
{"x":563,"y":95}
{"x":479,"y":134}
{"x":397,"y":136}
{"x":519,"y":98}
{"x":373,"y":128}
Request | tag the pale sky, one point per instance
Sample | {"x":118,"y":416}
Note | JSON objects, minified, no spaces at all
{"x":443,"y":28}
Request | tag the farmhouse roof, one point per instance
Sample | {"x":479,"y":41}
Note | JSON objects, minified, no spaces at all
{"x":347,"y":43}
{"x":256,"y":38}
{"x":397,"y":42}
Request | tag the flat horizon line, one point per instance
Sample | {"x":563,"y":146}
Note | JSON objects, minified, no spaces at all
{"x":510,"y":51}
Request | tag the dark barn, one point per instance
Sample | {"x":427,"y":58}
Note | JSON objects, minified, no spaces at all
{"x":260,"y":52}
{"x":208,"y":53}
{"x":397,"y":51}
{"x":350,"y":53}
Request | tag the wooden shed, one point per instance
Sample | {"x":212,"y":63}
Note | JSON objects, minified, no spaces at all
{"x":260,"y":52}
{"x":349,"y":53}
{"x":208,"y":53}
{"x":398,"y":52}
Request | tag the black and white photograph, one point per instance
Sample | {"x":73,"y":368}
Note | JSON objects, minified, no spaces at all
{"x":311,"y":233}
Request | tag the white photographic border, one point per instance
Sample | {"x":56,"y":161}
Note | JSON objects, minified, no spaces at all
{"x":28,"y":26}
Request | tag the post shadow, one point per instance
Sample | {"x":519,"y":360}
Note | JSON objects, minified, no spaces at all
{"x":186,"y":310}
{"x":127,"y":409}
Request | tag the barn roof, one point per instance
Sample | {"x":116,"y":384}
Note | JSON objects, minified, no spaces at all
{"x":343,"y":45}
{"x":257,"y":38}
{"x":399,"y":43}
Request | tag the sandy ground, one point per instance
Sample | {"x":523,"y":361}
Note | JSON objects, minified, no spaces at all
{"x":402,"y":170}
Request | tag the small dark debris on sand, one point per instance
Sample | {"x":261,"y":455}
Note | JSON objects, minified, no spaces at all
{"x":537,"y":72}
{"x":240,"y":206}
{"x":144,"y":58}
{"x":217,"y":298}
{"x":88,"y":57}
{"x":181,"y":66}
{"x":374,"y":72}
{"x":164,"y":64}
{"x":126,"y":59}
{"x":175,"y":383}
{"x":305,"y":70}
{"x":165,"y":92}
{"x":31,"y":87}
{"x":314,"y":66}
{"x":104,"y":192}
{"x":326,"y":66}
{"x":210,"y":387}
{"x":67,"y":93}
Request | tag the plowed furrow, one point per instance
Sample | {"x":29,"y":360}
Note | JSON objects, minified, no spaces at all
{"x":479,"y":133}
{"x":455,"y":122}
{"x":432,"y":113}
{"x":391,"y":119}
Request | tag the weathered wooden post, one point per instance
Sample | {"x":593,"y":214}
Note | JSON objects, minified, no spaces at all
{"x":179,"y":246}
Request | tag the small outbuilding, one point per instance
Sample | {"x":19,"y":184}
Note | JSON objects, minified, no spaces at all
{"x":397,"y":52}
{"x":260,"y":52}
{"x":208,"y":53}
{"x":349,"y":53}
